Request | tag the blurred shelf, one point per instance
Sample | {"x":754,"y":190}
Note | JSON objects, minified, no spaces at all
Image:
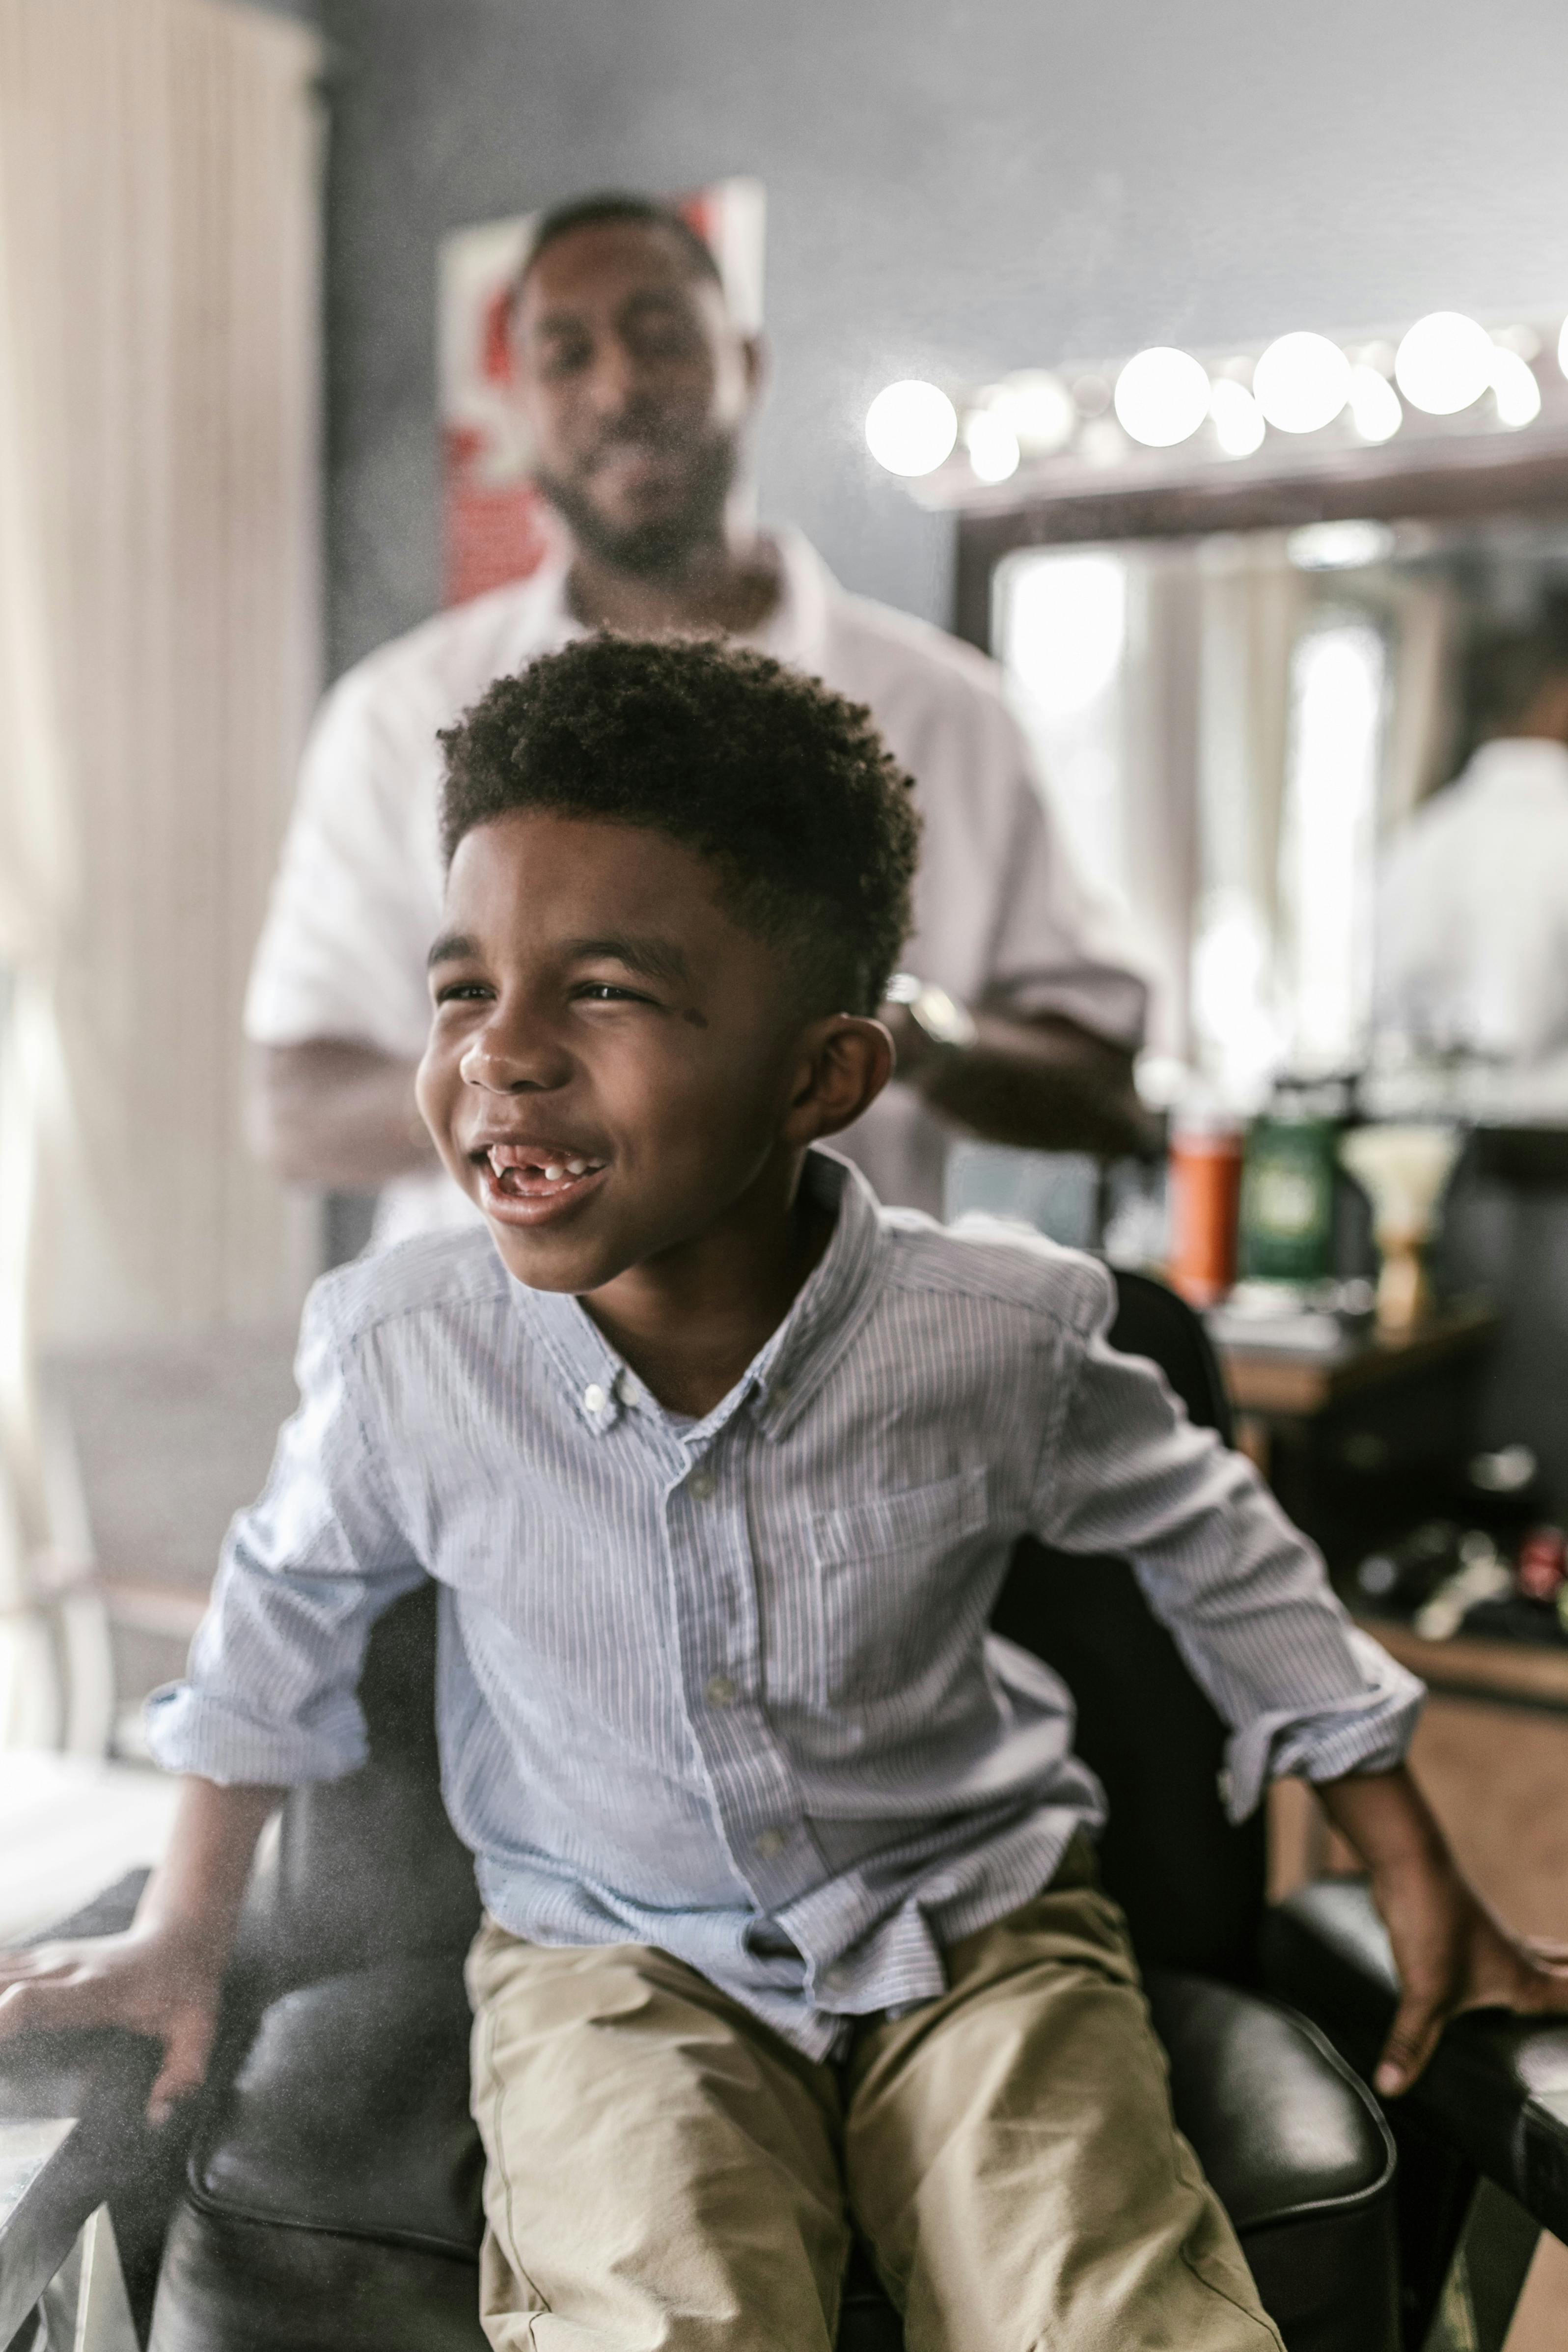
{"x":1296,"y":1384}
{"x":1514,"y":1674}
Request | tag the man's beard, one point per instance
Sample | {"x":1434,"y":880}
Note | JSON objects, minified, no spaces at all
{"x":659,"y":549}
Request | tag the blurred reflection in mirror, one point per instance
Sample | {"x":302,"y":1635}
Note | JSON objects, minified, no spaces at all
{"x":1473,"y":931}
{"x":1245,"y":730}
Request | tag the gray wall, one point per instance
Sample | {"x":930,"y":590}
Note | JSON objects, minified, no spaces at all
{"x":953,"y":188}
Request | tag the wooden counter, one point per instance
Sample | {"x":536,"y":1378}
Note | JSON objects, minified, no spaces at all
{"x":1513,"y":1674}
{"x":1284,"y":1383}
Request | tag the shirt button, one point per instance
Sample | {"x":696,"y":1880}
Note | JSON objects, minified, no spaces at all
{"x":770,"y":1843}
{"x":701,"y":1484}
{"x":836,"y":1978}
{"x":719,"y":1691}
{"x":594,"y":1397}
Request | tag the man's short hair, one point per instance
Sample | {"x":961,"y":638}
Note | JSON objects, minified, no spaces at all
{"x":612,"y":206}
{"x":1506,"y":671}
{"x":785,"y":788}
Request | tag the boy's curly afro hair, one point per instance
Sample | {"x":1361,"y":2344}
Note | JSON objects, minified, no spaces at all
{"x":784,"y":787}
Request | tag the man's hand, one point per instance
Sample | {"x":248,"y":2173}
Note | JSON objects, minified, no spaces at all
{"x":1040,"y":1084}
{"x":335,"y":1112}
{"x":154,"y":1981}
{"x":1452,"y":1953}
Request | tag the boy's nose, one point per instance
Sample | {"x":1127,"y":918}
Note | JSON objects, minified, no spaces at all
{"x":505,"y":1063}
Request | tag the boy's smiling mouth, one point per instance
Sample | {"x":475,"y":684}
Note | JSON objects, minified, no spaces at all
{"x":527,"y":1183}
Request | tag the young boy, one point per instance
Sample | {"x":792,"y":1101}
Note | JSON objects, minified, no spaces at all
{"x":791,"y":1911}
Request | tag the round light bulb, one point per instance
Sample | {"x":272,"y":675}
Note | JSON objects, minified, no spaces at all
{"x":1039,"y":409}
{"x":992,"y":445}
{"x":910,"y":427}
{"x":1375,"y":409}
{"x":1302,"y":383}
{"x":1444,"y":364}
{"x":1517,"y":392}
{"x":1238,"y":419}
{"x":1162,"y":396}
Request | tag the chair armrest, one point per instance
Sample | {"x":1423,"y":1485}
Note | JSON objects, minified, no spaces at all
{"x":94,"y":2084}
{"x":1496,"y":2089}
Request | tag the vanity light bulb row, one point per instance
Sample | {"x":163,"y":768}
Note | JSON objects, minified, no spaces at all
{"x":1163,"y":396}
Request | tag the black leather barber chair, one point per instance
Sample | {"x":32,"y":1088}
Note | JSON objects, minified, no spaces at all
{"x":329,"y":2195}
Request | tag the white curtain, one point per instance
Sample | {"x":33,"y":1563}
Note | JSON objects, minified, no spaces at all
{"x":1252,"y":604}
{"x":158,"y":375}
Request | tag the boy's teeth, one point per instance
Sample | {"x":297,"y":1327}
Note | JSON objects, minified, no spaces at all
{"x":551,"y":1171}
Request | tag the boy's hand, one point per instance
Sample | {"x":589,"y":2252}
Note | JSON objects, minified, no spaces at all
{"x":1452,"y":1955}
{"x":152,"y":1979}
{"x":163,"y":1975}
{"x":1450,"y":1952}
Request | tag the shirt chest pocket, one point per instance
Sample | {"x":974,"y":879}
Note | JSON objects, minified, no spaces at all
{"x":895,"y":1585}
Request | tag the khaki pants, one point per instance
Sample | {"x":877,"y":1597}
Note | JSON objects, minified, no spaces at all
{"x":663,"y":2171}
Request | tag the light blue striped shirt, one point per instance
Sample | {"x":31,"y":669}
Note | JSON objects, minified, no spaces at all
{"x":726,"y":1686}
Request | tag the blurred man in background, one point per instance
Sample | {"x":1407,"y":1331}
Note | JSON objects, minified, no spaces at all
{"x":1472,"y":930}
{"x":1020,"y":1011}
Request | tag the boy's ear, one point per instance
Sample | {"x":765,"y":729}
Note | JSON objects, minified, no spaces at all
{"x":845,"y":1062}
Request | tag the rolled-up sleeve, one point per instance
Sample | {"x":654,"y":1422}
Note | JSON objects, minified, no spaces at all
{"x":270,"y":1690}
{"x":1244,"y":1595}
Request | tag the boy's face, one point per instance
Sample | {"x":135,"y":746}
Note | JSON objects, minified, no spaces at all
{"x":614,"y":1063}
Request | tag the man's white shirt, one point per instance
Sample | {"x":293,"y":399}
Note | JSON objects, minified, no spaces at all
{"x":1472,"y":925}
{"x":1002,"y":911}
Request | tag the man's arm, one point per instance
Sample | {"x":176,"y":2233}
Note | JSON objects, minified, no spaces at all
{"x":331,"y":1111}
{"x":1449,"y":1951}
{"x":1041,"y":1083}
{"x":162,"y":1977}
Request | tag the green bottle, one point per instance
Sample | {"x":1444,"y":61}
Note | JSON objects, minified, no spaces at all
{"x":1288,"y":1181}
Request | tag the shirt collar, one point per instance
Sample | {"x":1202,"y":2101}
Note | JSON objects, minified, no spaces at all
{"x":787,"y":1371}
{"x":796,"y":632}
{"x":545,"y":610}
{"x":1526,"y":766}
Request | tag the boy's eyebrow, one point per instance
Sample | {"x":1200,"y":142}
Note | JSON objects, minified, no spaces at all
{"x":452,"y":947}
{"x":656,"y":959}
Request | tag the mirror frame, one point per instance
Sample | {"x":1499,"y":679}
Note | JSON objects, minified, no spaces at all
{"x":1434,"y":480}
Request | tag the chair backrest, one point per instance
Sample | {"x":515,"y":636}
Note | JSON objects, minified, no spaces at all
{"x":370,"y":1865}
{"x":1192,"y":1886}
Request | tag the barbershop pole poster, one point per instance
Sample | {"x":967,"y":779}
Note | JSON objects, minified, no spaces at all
{"x":495,"y":525}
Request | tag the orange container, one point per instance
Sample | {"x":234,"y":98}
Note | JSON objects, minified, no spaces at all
{"x":1205,"y":1197}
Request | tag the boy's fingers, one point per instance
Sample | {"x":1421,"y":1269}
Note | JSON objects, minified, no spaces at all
{"x":1540,"y":1982}
{"x":186,"y":2047}
{"x":1411,"y":2041}
{"x":19,"y":1968}
{"x":34,"y":2003}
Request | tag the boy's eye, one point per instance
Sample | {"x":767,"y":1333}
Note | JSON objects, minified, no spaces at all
{"x":464,"y":991}
{"x":605,"y":991}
